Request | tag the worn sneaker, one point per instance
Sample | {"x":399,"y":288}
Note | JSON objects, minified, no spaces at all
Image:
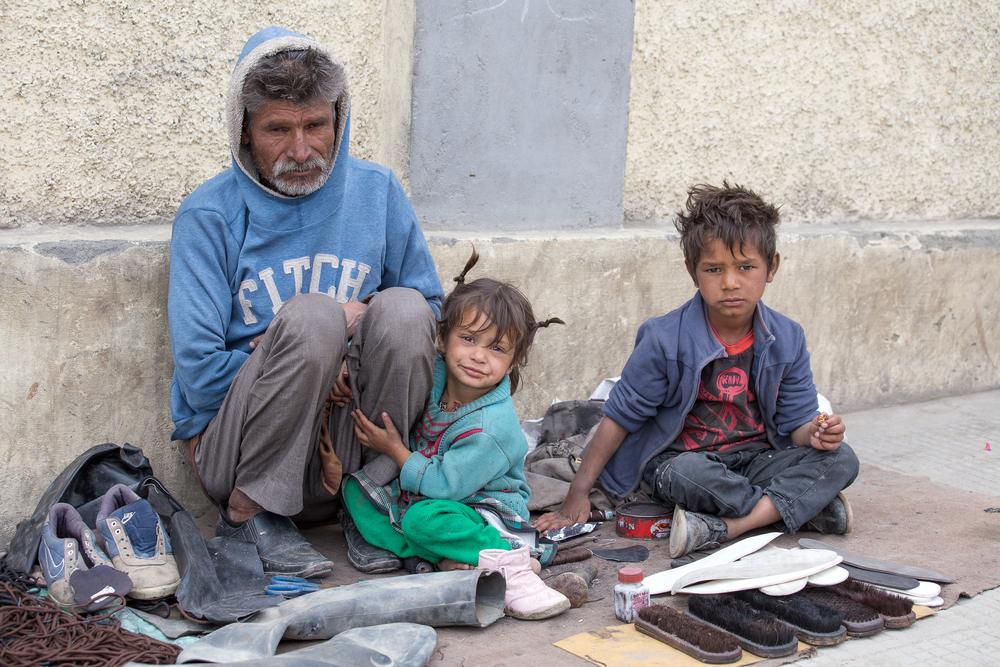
{"x":363,"y":556}
{"x":281,"y":547}
{"x":837,"y":518}
{"x":68,"y":550}
{"x":132,"y":534}
{"x":690,"y":531}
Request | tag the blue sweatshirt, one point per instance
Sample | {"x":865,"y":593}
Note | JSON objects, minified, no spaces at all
{"x":240,"y":250}
{"x":660,"y":381}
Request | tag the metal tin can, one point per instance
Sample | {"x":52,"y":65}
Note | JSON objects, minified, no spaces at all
{"x":643,"y":520}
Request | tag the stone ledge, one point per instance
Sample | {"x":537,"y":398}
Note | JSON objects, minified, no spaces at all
{"x":891,"y":316}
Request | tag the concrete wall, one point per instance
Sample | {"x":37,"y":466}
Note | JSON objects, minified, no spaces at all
{"x":874,"y":127}
{"x":902,"y":316}
{"x":886,"y":111}
{"x":519,"y":114}
{"x":113,"y":111}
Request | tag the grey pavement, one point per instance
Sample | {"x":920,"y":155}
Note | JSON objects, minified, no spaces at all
{"x":944,"y":440}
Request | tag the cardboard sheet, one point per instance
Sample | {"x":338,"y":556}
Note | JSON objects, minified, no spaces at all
{"x":624,"y":646}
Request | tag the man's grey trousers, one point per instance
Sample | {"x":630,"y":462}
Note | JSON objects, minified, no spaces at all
{"x":264,"y":440}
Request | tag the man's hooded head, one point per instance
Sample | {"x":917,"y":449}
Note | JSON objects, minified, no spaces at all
{"x":291,"y":102}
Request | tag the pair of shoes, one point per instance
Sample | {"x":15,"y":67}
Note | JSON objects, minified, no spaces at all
{"x":527,"y":597}
{"x":128,"y":552}
{"x":133,"y":536}
{"x":68,"y":554}
{"x":690,"y":531}
{"x":837,"y":518}
{"x":363,"y":556}
{"x":281,"y":547}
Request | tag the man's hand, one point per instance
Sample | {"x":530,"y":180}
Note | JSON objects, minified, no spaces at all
{"x":340,"y":394}
{"x":354,"y":312}
{"x":382,"y":440}
{"x":573,"y":510}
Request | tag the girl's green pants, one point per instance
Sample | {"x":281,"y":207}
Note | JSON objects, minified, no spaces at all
{"x":432,"y":529}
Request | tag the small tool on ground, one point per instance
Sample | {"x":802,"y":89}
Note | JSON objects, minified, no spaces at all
{"x":574,"y":585}
{"x":290,"y":587}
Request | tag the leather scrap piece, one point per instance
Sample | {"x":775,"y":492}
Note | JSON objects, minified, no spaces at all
{"x":868,"y":563}
{"x":633,"y":554}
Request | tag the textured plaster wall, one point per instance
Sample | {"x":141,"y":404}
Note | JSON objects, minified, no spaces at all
{"x":839,"y":110}
{"x":113,"y":110}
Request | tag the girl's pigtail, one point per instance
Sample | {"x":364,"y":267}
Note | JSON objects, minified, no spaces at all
{"x":546,"y":323}
{"x":460,"y":278}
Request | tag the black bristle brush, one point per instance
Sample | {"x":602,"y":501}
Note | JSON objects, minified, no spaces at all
{"x":819,"y":626}
{"x":859,"y":619}
{"x":688,"y":635}
{"x":896,"y":610}
{"x":757,"y":631}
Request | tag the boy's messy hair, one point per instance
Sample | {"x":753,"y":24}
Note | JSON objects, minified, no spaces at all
{"x":503,"y":305}
{"x":733,"y":214}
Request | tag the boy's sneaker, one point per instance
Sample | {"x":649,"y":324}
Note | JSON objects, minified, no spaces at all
{"x":837,"y":518}
{"x":366,"y":557}
{"x":134,"y":537}
{"x":68,"y":550}
{"x":690,"y":531}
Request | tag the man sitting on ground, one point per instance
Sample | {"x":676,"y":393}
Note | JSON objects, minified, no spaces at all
{"x":300,"y":283}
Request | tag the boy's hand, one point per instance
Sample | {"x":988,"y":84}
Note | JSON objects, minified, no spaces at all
{"x":573,"y":510}
{"x":828,"y":432}
{"x":383,"y":440}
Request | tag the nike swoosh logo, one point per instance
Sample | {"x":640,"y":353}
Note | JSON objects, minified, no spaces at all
{"x":128,"y":515}
{"x":56,"y":568}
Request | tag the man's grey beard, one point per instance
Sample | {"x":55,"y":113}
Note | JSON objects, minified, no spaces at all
{"x":300,"y":188}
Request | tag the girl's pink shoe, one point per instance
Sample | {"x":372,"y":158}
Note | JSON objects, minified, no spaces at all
{"x":527,"y":596}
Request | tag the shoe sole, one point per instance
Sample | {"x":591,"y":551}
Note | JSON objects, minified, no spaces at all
{"x":678,"y":527}
{"x":382,"y":567}
{"x":850,"y":512}
{"x":317,"y":570}
{"x":539,"y":615}
{"x":154,"y":592}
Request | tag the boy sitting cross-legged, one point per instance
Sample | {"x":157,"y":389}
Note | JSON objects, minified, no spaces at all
{"x":716,"y":410}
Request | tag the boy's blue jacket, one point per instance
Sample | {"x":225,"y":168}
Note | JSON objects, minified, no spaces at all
{"x":240,"y":250}
{"x":660,"y":381}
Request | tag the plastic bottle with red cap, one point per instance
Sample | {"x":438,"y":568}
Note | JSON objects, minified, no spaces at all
{"x":631,"y":594}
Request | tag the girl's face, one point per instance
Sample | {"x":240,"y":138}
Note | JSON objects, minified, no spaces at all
{"x":475,"y":362}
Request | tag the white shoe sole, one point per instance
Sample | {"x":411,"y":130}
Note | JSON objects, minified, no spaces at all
{"x":544,"y":613}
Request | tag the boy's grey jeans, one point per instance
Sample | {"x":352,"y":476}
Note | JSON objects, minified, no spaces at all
{"x":800,"y":481}
{"x":264,"y":440}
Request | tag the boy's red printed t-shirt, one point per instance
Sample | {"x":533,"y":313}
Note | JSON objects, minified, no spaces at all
{"x":725,"y":414}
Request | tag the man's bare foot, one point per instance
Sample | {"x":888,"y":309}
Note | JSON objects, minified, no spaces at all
{"x":446,"y":564}
{"x":241,"y":507}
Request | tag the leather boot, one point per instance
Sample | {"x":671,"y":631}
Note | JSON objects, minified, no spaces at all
{"x":527,"y":597}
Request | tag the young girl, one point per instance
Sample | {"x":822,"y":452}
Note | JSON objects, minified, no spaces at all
{"x":467,"y":452}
